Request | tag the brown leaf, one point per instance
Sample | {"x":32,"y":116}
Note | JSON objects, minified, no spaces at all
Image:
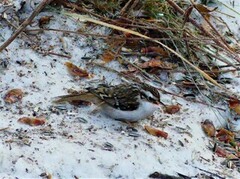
{"x":44,"y":20}
{"x":13,"y":96}
{"x":151,"y":63}
{"x":32,"y":121}
{"x":172,"y":109}
{"x":204,"y":9}
{"x":234,"y":104}
{"x":108,"y":56}
{"x":225,"y":135}
{"x":76,"y":71}
{"x":156,"y":132}
{"x":158,"y":50}
{"x":157,"y":63}
{"x":208,"y":128}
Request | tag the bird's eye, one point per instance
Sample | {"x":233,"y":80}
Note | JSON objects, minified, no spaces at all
{"x":151,"y":98}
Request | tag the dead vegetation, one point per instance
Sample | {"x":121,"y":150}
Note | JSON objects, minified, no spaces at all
{"x":166,"y":31}
{"x":167,"y":34}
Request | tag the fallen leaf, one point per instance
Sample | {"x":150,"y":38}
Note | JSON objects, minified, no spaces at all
{"x":205,"y":9}
{"x":208,"y":128}
{"x":44,"y":20}
{"x":13,"y":96}
{"x":157,"y":63}
{"x":108,"y":56}
{"x":172,"y":109}
{"x":32,"y":121}
{"x":156,"y":132}
{"x":76,"y":71}
{"x":158,"y":50}
{"x":225,"y":135}
{"x":151,"y":63}
{"x":234,"y":104}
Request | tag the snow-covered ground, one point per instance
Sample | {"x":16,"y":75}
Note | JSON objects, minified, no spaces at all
{"x":68,"y":147}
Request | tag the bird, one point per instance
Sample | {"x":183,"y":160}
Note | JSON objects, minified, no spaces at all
{"x":125,"y":102}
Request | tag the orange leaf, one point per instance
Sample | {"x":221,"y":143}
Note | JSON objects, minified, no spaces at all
{"x":32,"y":121}
{"x":151,"y":63}
{"x":225,"y":135}
{"x":208,"y":128}
{"x":13,"y":96}
{"x":234,"y":104}
{"x":156,"y":132}
{"x":76,"y":71}
{"x":108,"y":56}
{"x":159,"y":50}
{"x":157,"y":63}
{"x":172,"y":109}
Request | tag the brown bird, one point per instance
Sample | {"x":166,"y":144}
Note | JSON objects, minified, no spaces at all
{"x":127,"y":102}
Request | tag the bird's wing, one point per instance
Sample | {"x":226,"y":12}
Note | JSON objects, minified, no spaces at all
{"x":78,"y":98}
{"x":124,"y":97}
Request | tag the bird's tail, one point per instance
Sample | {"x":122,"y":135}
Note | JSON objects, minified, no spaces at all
{"x":77,"y":98}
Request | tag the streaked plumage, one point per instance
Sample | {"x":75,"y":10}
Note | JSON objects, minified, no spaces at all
{"x":127,"y":102}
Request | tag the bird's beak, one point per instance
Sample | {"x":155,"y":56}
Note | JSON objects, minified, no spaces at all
{"x":157,"y":103}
